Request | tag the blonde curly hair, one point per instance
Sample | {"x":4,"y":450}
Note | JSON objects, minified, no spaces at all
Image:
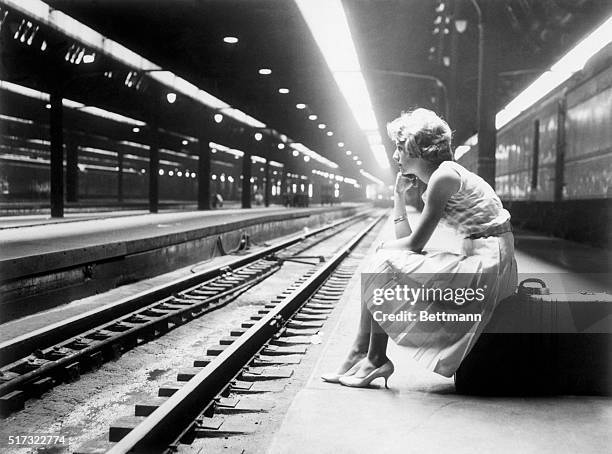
{"x":427,"y":135}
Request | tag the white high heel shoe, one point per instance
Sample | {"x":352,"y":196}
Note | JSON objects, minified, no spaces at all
{"x":335,"y":377}
{"x":383,"y":371}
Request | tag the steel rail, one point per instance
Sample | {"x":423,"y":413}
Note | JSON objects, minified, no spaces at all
{"x":22,"y":346}
{"x":137,"y":331}
{"x":162,"y":427}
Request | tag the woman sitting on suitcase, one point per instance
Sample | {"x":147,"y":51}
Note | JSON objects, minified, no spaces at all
{"x":486,"y":264}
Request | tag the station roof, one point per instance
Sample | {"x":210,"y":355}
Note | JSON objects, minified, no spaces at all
{"x":186,"y":37}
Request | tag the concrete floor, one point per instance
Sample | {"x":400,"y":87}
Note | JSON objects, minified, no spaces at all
{"x":421,"y":413}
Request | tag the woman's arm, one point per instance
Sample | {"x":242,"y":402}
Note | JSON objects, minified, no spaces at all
{"x":402,"y":226}
{"x":442,"y":186}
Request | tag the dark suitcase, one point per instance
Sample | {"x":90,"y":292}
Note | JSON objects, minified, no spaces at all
{"x":540,"y":343}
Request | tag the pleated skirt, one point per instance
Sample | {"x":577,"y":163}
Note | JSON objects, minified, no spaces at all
{"x":485,"y":265}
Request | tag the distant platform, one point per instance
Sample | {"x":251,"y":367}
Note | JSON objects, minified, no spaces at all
{"x":56,"y":261}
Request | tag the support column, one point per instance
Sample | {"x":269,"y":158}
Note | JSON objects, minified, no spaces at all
{"x":246,"y":180}
{"x":451,"y":94}
{"x":120,"y":176}
{"x":268,"y":191}
{"x":154,"y":169}
{"x":56,"y":125}
{"x":204,"y":175}
{"x":560,"y":157}
{"x":72,"y":171}
{"x":487,"y":91}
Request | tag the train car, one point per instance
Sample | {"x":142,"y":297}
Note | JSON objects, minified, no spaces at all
{"x":554,"y":161}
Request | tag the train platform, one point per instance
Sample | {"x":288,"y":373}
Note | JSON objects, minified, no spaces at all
{"x":66,"y":260}
{"x":421,"y":411}
{"x":42,"y":208}
{"x":12,"y":218}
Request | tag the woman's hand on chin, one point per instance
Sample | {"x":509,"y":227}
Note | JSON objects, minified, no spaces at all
{"x":404,"y":182}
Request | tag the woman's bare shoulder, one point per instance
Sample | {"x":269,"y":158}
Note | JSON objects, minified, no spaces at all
{"x":445,"y":179}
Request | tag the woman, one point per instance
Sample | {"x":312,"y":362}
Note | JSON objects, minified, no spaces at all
{"x":486,"y":264}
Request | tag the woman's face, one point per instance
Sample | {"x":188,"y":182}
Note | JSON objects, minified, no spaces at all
{"x":402,"y":157}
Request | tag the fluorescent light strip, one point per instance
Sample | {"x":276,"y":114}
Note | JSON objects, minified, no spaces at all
{"x":317,"y":157}
{"x":99,"y":151}
{"x":177,"y":154}
{"x":135,"y":158}
{"x":135,"y":144}
{"x":558,"y":73}
{"x":180,"y":136}
{"x":169,"y":163}
{"x":91,"y":38}
{"x":225,"y":149}
{"x":37,"y":141}
{"x":31,"y":93}
{"x":16,"y":119}
{"x":571,"y":62}
{"x":327,"y":22}
{"x":277,"y":164}
{"x":16,"y":157}
{"x":370,"y":177}
{"x":258,"y":159}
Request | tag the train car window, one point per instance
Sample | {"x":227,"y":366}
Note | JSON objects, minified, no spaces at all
{"x":536,"y":154}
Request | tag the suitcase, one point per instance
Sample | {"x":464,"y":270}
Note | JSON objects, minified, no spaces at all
{"x":542,"y":343}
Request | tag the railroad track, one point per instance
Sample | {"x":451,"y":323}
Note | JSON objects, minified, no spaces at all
{"x":187,"y":408}
{"x":37,"y":361}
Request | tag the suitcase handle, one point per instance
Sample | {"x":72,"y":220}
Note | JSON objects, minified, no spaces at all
{"x":528,"y":290}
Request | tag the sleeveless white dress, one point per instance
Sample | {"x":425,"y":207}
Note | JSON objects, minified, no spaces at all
{"x":486,"y":264}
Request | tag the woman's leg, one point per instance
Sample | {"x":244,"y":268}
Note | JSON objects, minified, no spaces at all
{"x":361,"y":343}
{"x":377,"y":351}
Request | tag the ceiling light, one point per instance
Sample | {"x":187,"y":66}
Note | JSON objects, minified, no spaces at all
{"x":47,"y":106}
{"x":300,"y":106}
{"x":461,"y":25}
{"x":312,"y":117}
{"x":135,"y":129}
{"x":93,"y":40}
{"x":283,"y":91}
{"x":296,"y":153}
{"x":265,"y":71}
{"x":218,"y":118}
{"x":329,"y":133}
{"x":161,"y":171}
{"x":358,"y":163}
{"x":306,"y":158}
{"x":171,"y":97}
{"x":281,"y":146}
{"x":355,"y":158}
{"x":230,"y":39}
{"x":340,"y":144}
{"x":258,"y":136}
{"x":322,"y":126}
{"x":349,"y":152}
{"x":571,"y":62}
{"x":43,"y":46}
{"x":89,"y":58}
{"x":327,"y":21}
{"x":185,"y":142}
{"x":440,"y":7}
